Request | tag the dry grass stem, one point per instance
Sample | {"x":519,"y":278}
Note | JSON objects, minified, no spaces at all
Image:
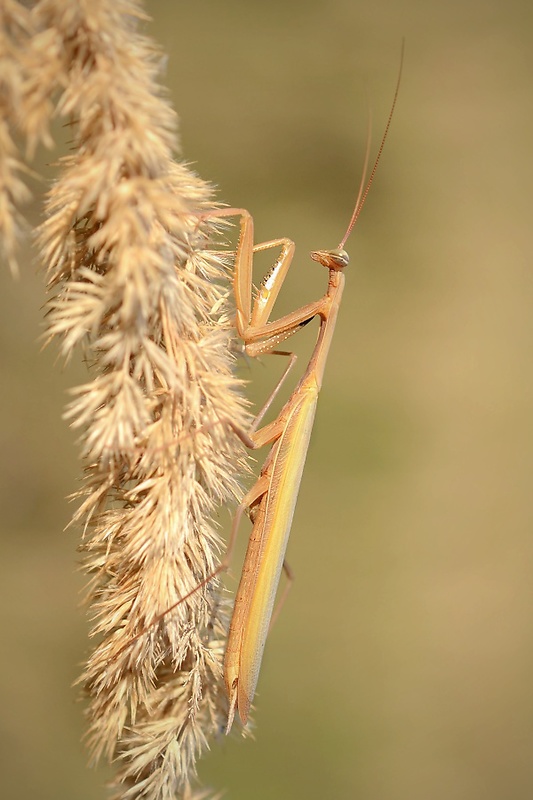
{"x":132,"y":282}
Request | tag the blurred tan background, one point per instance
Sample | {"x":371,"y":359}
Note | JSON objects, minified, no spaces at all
{"x":402,"y":665}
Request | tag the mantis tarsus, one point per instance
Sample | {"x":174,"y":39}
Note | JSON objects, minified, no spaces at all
{"x":272,"y":499}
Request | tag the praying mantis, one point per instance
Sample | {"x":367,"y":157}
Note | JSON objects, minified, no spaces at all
{"x":272,"y":499}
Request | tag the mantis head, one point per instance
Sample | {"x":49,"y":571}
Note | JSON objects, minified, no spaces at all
{"x":332,"y":259}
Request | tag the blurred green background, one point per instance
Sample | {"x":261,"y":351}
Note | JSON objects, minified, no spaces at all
{"x":401,"y":667}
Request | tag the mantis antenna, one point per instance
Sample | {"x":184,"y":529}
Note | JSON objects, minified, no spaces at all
{"x":363,"y":193}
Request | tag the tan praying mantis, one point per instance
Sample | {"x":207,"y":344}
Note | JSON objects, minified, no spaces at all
{"x":272,"y":499}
